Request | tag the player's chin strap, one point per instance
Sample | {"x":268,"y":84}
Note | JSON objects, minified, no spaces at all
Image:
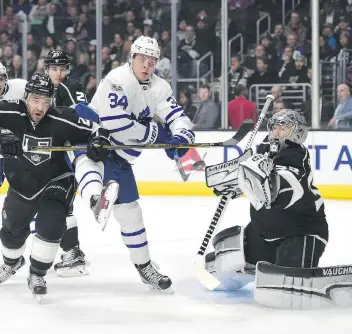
{"x":208,"y":280}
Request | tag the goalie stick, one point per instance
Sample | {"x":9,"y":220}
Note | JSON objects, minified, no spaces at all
{"x":207,"y":279}
{"x":245,"y":127}
{"x":230,"y":142}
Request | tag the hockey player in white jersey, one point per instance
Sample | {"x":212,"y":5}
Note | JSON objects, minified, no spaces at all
{"x":128,"y":100}
{"x":10,"y":89}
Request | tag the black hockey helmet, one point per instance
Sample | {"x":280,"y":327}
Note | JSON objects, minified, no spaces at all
{"x":59,"y":58}
{"x":39,"y":84}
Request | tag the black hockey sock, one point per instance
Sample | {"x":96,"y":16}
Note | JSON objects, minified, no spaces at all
{"x":70,"y":239}
{"x":10,"y":262}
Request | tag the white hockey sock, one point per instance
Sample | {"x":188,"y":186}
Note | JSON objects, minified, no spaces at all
{"x":89,"y":175}
{"x":133,"y":231}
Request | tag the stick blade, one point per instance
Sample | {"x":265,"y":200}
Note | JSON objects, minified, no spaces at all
{"x":245,"y":127}
{"x":204,"y":277}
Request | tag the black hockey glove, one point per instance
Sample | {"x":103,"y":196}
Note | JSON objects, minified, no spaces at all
{"x":10,"y":144}
{"x":94,"y":151}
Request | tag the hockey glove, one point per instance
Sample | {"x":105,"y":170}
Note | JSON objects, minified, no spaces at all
{"x":10,"y":144}
{"x":94,"y":150}
{"x":154,"y":133}
{"x":254,"y":179}
{"x":181,"y":136}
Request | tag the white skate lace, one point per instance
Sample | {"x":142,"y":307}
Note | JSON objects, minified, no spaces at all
{"x":151,"y":274}
{"x":70,"y":255}
{"x":36,"y":280}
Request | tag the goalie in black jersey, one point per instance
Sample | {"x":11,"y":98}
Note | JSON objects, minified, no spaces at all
{"x":288,"y":226}
{"x":39,"y":182}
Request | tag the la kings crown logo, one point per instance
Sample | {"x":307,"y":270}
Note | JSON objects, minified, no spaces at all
{"x":37,"y":158}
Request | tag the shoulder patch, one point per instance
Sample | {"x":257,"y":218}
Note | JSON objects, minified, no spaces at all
{"x":116,"y":88}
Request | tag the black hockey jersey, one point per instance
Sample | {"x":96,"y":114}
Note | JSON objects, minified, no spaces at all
{"x":299,"y":208}
{"x":69,"y":93}
{"x":29,"y":174}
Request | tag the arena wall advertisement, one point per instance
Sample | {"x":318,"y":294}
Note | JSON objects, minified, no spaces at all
{"x":331,"y":160}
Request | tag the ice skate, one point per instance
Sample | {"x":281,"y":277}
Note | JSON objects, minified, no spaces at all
{"x":102,"y":205}
{"x":72,"y":264}
{"x":37,"y":285}
{"x":154,"y":279}
{"x":7,"y":271}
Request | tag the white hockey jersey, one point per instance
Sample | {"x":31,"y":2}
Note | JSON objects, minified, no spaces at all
{"x":123,"y":103}
{"x":14,"y":90}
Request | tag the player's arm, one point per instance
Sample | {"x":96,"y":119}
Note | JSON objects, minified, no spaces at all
{"x":276,"y":184}
{"x":172,"y":114}
{"x":80,"y":130}
{"x":113,"y":108}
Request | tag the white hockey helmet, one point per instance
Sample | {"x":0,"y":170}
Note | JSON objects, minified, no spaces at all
{"x":3,"y":71}
{"x":145,"y":46}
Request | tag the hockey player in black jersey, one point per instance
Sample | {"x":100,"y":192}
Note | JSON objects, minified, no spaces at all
{"x":39,"y":182}
{"x":288,"y":226}
{"x":68,"y":92}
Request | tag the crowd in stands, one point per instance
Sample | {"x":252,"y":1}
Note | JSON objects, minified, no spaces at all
{"x":283,"y":55}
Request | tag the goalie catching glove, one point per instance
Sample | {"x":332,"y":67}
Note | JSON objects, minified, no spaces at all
{"x":258,"y":181}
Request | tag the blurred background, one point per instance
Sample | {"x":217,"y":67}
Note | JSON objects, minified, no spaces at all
{"x":221,"y":62}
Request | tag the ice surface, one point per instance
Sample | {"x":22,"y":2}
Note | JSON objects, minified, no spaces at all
{"x":112,"y":298}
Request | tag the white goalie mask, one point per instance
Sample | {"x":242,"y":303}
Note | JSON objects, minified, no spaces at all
{"x":292,"y":124}
{"x":145,"y":46}
{"x":3,"y":72}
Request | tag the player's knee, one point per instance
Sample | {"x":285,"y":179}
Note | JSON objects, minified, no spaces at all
{"x":12,"y":229}
{"x":228,"y":261}
{"x":128,"y":214}
{"x":51,"y":220}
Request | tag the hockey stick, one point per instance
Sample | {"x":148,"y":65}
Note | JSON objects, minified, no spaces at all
{"x":207,"y":279}
{"x":198,"y":165}
{"x":247,"y":126}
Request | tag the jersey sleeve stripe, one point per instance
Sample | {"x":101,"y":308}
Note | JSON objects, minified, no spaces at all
{"x":172,"y":113}
{"x":123,"y":128}
{"x":131,"y":152}
{"x":111,"y":118}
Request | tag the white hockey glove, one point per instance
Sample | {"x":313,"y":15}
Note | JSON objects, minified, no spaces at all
{"x":254,"y":179}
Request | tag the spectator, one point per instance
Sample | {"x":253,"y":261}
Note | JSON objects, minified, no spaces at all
{"x":53,"y":24}
{"x":115,"y":64}
{"x":16,"y":68}
{"x":130,"y":28}
{"x":270,"y":51}
{"x":22,"y":6}
{"x":166,"y":43}
{"x":326,"y":52}
{"x":69,"y":33}
{"x":148,"y":29}
{"x":208,"y":112}
{"x":31,"y":63}
{"x":181,"y":33}
{"x":91,"y":87}
{"x":117,"y":48}
{"x":39,"y":11}
{"x":126,"y":51}
{"x":343,"y":113}
{"x":72,"y":16}
{"x":240,"y":108}
{"x":186,"y":102}
{"x":330,"y":15}
{"x":329,"y":36}
{"x":84,"y":32}
{"x":236,"y":75}
{"x":109,"y":30}
{"x":342,"y":28}
{"x":71,"y":50}
{"x":163,"y":67}
{"x":92,"y":51}
{"x":32,"y":46}
{"x":47,"y":47}
{"x":105,"y":57}
{"x":137,"y":33}
{"x":153,"y":12}
{"x":287,"y":62}
{"x":293,"y":43}
{"x":6,"y":58}
{"x":295,"y":27}
{"x":262,"y":75}
{"x":10,"y":22}
{"x":277,"y":93}
{"x":278,"y":38}
{"x":298,"y":74}
{"x":82,"y":68}
{"x":40,"y":66}
{"x":278,"y":106}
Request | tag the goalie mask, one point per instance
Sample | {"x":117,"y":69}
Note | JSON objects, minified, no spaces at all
{"x":289,"y":125}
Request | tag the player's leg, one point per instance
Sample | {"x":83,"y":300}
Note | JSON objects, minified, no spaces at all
{"x":54,"y":206}
{"x":73,"y":262}
{"x":128,"y":213}
{"x":17,"y":214}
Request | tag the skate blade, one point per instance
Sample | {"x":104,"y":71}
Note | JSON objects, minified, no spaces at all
{"x":38,"y":298}
{"x":72,"y":272}
{"x":110,"y":195}
{"x":168,"y":291}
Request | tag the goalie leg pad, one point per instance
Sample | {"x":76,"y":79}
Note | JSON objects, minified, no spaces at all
{"x":129,"y":216}
{"x":302,"y":288}
{"x":229,"y":264}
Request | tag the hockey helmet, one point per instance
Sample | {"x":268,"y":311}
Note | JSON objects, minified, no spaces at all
{"x":3,"y":72}
{"x":146,"y":46}
{"x":291,"y":120}
{"x":39,"y":84}
{"x":58,"y":58}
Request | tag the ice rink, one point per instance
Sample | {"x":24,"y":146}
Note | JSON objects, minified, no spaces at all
{"x":112,"y":299}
